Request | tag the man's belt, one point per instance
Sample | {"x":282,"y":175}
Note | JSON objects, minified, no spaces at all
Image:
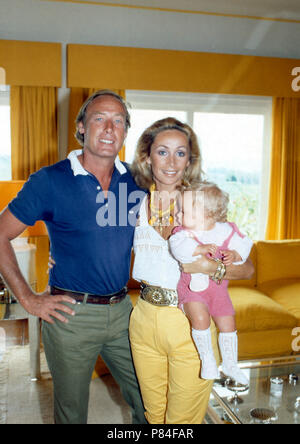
{"x":162,"y":297}
{"x":109,"y":299}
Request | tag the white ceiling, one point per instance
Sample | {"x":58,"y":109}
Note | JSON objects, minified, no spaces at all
{"x":282,"y":9}
{"x":87,"y":22}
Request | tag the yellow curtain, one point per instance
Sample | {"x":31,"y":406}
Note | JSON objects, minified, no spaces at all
{"x":34,"y":139}
{"x":77,"y":97}
{"x":284,"y":201}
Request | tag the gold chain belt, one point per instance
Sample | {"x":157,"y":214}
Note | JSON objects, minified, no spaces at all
{"x":162,"y":297}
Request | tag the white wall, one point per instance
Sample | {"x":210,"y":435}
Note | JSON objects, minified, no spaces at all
{"x":94,"y":24}
{"x":67,"y":22}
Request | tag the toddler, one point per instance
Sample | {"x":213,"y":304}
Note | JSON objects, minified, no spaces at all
{"x":205,"y":231}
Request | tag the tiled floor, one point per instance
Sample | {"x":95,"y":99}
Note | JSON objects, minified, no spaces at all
{"x":32,"y":402}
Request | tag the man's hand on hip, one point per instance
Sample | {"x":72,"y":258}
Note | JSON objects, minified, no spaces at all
{"x":47,"y":307}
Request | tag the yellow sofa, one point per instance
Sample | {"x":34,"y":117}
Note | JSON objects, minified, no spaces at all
{"x":267,"y":306}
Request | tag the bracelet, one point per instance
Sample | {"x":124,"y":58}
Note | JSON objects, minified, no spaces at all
{"x":220,"y":272}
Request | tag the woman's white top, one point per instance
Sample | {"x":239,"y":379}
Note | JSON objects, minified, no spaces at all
{"x":153,"y":262}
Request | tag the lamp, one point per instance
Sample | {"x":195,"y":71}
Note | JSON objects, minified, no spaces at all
{"x":9,"y":190}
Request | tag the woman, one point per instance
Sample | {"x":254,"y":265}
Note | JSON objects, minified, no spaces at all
{"x":165,"y":357}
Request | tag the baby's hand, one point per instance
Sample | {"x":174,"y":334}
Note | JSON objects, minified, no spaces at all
{"x":209,"y":249}
{"x":230,"y":256}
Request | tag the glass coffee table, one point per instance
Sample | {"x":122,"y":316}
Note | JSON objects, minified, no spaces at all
{"x":273,"y":395}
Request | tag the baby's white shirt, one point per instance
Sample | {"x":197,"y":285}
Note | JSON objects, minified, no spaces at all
{"x":183,"y":245}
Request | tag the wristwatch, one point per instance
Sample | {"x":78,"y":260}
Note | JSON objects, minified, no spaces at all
{"x":220,"y":272}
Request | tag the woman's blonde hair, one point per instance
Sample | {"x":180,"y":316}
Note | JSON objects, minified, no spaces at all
{"x":214,"y":200}
{"x":142,"y":171}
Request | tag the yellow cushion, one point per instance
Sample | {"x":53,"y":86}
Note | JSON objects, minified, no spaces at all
{"x":256,"y":311}
{"x":277,"y":260}
{"x":251,"y":283}
{"x":263,"y":344}
{"x":285,"y":292}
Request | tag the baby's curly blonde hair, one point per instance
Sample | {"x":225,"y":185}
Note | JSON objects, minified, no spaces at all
{"x":215,"y":200}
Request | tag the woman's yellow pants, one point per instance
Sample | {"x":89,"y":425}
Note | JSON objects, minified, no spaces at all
{"x":168,"y":365}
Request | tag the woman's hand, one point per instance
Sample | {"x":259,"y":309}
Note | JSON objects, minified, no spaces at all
{"x":206,"y":249}
{"x":208,"y":266}
{"x":201,"y":265}
{"x":51,"y":263}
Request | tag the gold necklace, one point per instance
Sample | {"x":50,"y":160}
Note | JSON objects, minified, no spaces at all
{"x":158,"y":217}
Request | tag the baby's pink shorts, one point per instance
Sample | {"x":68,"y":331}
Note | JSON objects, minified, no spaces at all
{"x":215,"y":297}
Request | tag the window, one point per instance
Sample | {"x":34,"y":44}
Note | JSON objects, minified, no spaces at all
{"x":5,"y":145}
{"x":234,"y":136}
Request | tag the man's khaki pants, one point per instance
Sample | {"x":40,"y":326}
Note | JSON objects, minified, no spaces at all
{"x":168,"y":365}
{"x":72,"y":350}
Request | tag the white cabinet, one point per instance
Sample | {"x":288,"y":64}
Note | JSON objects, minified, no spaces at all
{"x":25,"y":254}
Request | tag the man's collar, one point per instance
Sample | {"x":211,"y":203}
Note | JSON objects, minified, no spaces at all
{"x":78,"y":168}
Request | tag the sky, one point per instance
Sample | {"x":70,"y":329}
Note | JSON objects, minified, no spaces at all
{"x":231,"y":141}
{"x":234,"y":141}
{"x":5,"y":130}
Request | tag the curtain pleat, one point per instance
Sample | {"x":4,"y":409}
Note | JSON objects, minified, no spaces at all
{"x":77,"y":97}
{"x":34,"y":138}
{"x":33,"y":129}
{"x":284,"y":200}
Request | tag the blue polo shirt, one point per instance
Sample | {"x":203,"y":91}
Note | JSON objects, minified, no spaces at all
{"x":90,"y":236}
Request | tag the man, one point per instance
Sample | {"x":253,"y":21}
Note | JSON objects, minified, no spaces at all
{"x":88,"y":310}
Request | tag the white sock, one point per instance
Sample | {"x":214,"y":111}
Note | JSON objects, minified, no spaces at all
{"x":203,"y":342}
{"x":228,"y":343}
